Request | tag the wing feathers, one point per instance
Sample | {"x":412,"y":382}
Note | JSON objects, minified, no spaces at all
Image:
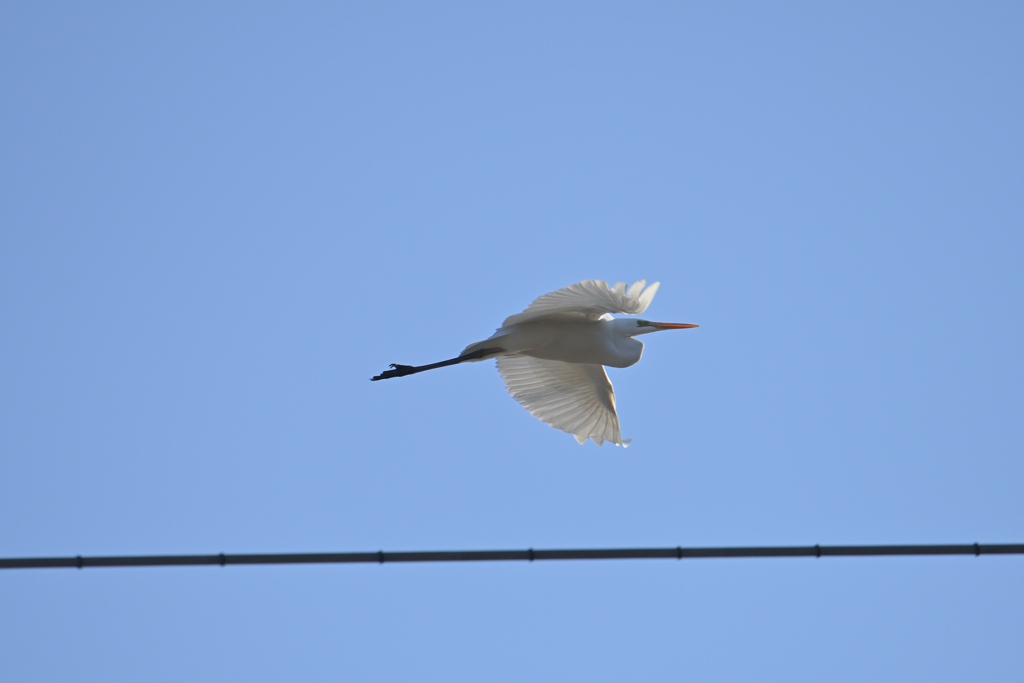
{"x":645,"y":299}
{"x":574,"y":397}
{"x":591,"y":299}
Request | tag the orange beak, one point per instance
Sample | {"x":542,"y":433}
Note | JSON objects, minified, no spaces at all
{"x":673,"y":326}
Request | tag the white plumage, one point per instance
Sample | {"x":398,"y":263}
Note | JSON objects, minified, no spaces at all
{"x":551,"y":355}
{"x":591,"y":299}
{"x":577,"y":398}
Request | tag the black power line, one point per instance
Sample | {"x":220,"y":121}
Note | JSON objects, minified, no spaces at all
{"x":529,"y":555}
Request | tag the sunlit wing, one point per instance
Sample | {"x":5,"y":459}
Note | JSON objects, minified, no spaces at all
{"x":590,"y":299}
{"x":573,"y":397}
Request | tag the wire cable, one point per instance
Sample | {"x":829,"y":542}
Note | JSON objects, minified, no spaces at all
{"x":529,"y":555}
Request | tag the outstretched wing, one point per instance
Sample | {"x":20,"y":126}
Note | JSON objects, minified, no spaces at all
{"x":574,"y":397}
{"x":591,"y":299}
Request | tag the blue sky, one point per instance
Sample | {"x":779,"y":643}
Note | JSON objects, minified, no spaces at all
{"x":218,"y":221}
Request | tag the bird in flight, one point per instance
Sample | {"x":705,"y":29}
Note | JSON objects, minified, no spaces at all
{"x":551,"y":355}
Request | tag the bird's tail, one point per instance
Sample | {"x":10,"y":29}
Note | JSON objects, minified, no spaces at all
{"x":487,"y":347}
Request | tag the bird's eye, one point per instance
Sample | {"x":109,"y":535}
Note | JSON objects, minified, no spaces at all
{"x":641,"y":323}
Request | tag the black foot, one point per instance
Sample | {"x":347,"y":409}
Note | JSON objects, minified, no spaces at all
{"x":396,"y":371}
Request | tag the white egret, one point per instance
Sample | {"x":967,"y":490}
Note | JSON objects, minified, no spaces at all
{"x":551,"y":355}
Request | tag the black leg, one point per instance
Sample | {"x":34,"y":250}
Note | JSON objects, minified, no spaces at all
{"x":403,"y":370}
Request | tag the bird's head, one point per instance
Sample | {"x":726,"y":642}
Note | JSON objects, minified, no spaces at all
{"x":636,"y":327}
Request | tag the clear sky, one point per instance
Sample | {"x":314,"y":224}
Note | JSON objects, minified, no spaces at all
{"x":217,"y":222}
